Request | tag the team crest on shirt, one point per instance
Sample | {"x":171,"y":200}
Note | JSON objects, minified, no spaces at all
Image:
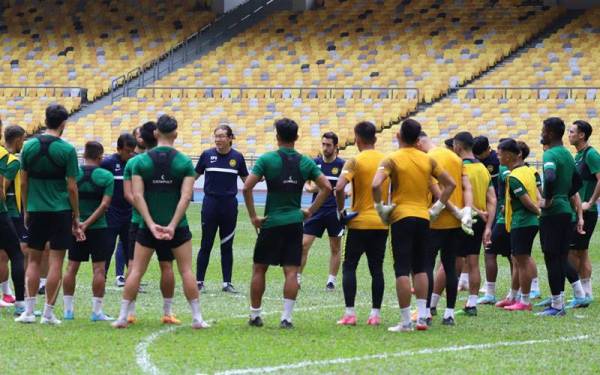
{"x":490,"y":168}
{"x":335,"y":171}
{"x":232,"y":163}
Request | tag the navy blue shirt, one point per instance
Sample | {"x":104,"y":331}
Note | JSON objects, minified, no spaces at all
{"x":492,"y":163}
{"x":221,"y":172}
{"x":332,"y":173}
{"x":118,"y":205}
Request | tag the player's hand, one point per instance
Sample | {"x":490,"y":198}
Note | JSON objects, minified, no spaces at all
{"x":466,"y":220}
{"x":168,"y":232}
{"x":545,"y":203}
{"x":436,"y":210}
{"x":384,"y":211}
{"x":157,"y":231}
{"x":487,"y":237}
{"x":258,"y":221}
{"x":586,"y":206}
{"x":306,"y":213}
{"x":482,"y":214}
{"x":579,"y":226}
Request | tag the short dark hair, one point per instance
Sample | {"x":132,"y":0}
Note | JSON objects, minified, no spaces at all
{"x":332,"y":136}
{"x":147,"y":134}
{"x":287,"y":130}
{"x":410,"y":131}
{"x":524,"y":149}
{"x":166,"y":124}
{"x":480,"y":144}
{"x":449,"y":142}
{"x":465,"y":139}
{"x":56,"y":114}
{"x":584,"y":127}
{"x":366,"y":131}
{"x":126,"y":140}
{"x":93,"y":150}
{"x":227,"y":129}
{"x":556,"y":126}
{"x":12,"y":133}
{"x":509,"y":145}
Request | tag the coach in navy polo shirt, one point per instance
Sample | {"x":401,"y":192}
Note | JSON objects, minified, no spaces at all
{"x":221,"y":167}
{"x":118,"y":214}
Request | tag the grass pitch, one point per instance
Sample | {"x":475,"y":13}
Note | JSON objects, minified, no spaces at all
{"x":495,"y":341}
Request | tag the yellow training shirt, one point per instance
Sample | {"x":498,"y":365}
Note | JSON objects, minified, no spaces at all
{"x":360,"y":171}
{"x":410,"y":171}
{"x":450,"y":163}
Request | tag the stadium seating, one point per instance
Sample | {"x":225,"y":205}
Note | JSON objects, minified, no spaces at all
{"x":98,"y":41}
{"x":565,"y":59}
{"x":496,"y":118}
{"x":430,"y":46}
{"x":251,"y":118}
{"x":28,"y":110}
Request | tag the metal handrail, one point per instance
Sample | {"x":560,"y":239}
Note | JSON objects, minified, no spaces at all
{"x":81,"y":91}
{"x":236,"y":16}
{"x":391,"y":91}
{"x":538,"y":89}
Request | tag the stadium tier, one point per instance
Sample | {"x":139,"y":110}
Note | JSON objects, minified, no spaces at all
{"x":430,"y":46}
{"x":28,"y":110}
{"x":496,"y":118}
{"x":568,"y":58}
{"x":505,"y":102}
{"x":251,"y":118}
{"x":96,"y":42}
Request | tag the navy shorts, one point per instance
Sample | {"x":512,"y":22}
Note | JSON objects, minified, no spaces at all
{"x":316,"y":225}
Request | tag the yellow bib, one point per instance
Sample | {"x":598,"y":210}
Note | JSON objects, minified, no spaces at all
{"x":16,"y":183}
{"x":526,"y":177}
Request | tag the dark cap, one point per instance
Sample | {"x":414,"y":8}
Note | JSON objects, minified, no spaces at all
{"x":166,"y":124}
{"x":480,"y":145}
{"x":465,"y":138}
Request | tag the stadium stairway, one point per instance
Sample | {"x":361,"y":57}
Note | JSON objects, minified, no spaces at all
{"x":558,"y":24}
{"x":222,"y":29}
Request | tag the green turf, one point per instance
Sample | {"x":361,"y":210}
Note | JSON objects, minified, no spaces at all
{"x":94,"y":348}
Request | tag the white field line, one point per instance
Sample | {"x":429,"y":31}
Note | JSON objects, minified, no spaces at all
{"x":406,"y":353}
{"x":141,"y":350}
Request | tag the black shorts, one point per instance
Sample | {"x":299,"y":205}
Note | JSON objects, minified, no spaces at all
{"x":9,"y":241}
{"x":409,"y":245}
{"x":371,"y":242}
{"x":471,"y":245}
{"x":448,"y":240}
{"x":582,"y":241}
{"x":133,"y":229}
{"x":20,"y":228}
{"x":279,"y":246}
{"x":316,"y":225}
{"x":521,"y":240}
{"x":500,"y":241}
{"x":97,"y":245}
{"x":555,"y":233}
{"x":163,"y":248}
{"x":53,"y":227}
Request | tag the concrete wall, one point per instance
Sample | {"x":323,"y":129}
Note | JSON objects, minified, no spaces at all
{"x":223,"y":6}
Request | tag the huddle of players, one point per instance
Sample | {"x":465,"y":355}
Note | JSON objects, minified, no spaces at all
{"x":58,"y":204}
{"x":159,"y":184}
{"x":466,"y":214}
